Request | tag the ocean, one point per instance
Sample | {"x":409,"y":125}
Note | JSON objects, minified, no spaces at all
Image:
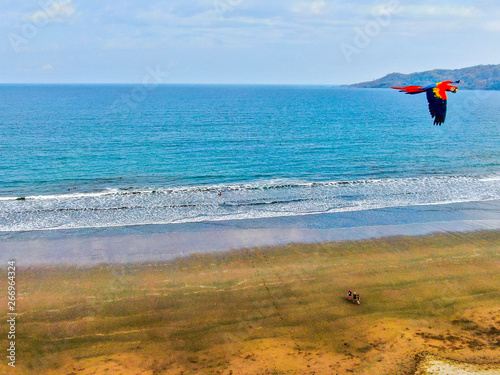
{"x":99,"y":156}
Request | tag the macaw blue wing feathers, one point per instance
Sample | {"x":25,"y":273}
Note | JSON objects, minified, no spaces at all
{"x":436,"y":96}
{"x":437,"y":107}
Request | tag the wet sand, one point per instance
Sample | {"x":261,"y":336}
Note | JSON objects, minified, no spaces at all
{"x":269,"y":310}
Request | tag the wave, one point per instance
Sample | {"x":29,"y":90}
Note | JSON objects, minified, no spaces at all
{"x":265,"y":198}
{"x":259,"y":185}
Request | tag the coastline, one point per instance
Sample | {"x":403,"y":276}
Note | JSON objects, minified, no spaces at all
{"x":149,"y":243}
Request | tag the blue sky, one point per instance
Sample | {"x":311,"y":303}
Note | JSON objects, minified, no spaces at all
{"x":241,"y":41}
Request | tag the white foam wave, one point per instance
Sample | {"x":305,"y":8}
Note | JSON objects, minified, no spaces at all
{"x":270,"y":198}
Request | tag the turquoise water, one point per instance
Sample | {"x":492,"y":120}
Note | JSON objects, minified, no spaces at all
{"x":82,"y":156}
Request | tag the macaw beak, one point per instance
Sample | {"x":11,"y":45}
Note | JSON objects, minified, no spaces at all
{"x":454,"y":89}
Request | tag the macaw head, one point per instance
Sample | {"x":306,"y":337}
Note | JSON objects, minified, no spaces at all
{"x":452,"y":88}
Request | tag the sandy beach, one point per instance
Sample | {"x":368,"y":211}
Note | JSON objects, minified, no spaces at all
{"x":270,"y":310}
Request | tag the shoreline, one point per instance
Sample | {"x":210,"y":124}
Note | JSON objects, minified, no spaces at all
{"x":165,"y":242}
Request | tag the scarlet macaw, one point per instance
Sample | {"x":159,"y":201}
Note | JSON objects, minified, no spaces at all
{"x":436,"y":96}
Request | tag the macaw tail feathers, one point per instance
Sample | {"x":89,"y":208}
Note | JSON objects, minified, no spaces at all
{"x":410,"y":89}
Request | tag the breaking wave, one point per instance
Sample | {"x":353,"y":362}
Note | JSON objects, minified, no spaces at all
{"x":268,"y":198}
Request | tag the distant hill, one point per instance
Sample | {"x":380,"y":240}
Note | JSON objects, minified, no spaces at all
{"x":480,"y":77}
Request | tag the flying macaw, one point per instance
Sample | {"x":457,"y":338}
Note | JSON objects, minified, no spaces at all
{"x":436,"y":96}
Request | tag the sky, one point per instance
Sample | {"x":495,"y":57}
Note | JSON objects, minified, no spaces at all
{"x":241,"y":41}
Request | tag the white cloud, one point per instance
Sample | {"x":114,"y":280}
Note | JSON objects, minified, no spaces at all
{"x":312,"y":8}
{"x":53,"y":12}
{"x":47,"y":67}
{"x":492,"y":26}
{"x":440,"y":11}
{"x":384,"y":9}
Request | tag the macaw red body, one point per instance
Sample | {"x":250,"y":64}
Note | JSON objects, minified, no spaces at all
{"x":436,"y":96}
